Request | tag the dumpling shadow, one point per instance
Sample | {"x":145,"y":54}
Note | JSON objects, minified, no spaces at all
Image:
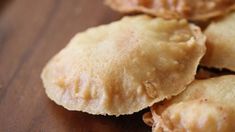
{"x":80,"y":121}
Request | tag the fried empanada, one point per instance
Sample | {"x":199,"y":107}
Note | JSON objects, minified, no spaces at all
{"x":197,"y":10}
{"x":126,"y":66}
{"x":221,"y":44}
{"x":205,"y":106}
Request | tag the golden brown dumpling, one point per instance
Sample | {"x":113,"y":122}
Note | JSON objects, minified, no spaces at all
{"x":125,"y":66}
{"x":189,"y":9}
{"x":206,"y":105}
{"x":221,"y":44}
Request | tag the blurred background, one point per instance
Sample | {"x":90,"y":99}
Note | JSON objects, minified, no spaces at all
{"x":31,"y":32}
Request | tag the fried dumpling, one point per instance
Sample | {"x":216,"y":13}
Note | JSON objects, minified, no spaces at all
{"x":190,"y":9}
{"x":206,"y":105}
{"x":126,"y":66}
{"x":221,"y":44}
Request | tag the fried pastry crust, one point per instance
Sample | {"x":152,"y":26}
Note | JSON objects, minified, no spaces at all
{"x":206,"y":105}
{"x":197,"y":10}
{"x":221,"y":44}
{"x":125,"y":66}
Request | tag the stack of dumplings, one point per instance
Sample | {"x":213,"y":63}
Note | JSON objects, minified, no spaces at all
{"x":151,"y":59}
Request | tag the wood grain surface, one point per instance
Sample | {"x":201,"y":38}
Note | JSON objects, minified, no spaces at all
{"x":31,"y":32}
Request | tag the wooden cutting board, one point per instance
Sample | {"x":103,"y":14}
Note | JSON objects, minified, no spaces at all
{"x":31,"y":32}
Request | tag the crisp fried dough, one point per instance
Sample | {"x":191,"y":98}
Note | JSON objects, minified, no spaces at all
{"x":190,"y":9}
{"x":221,"y":44}
{"x":125,"y":66}
{"x":206,"y":105}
